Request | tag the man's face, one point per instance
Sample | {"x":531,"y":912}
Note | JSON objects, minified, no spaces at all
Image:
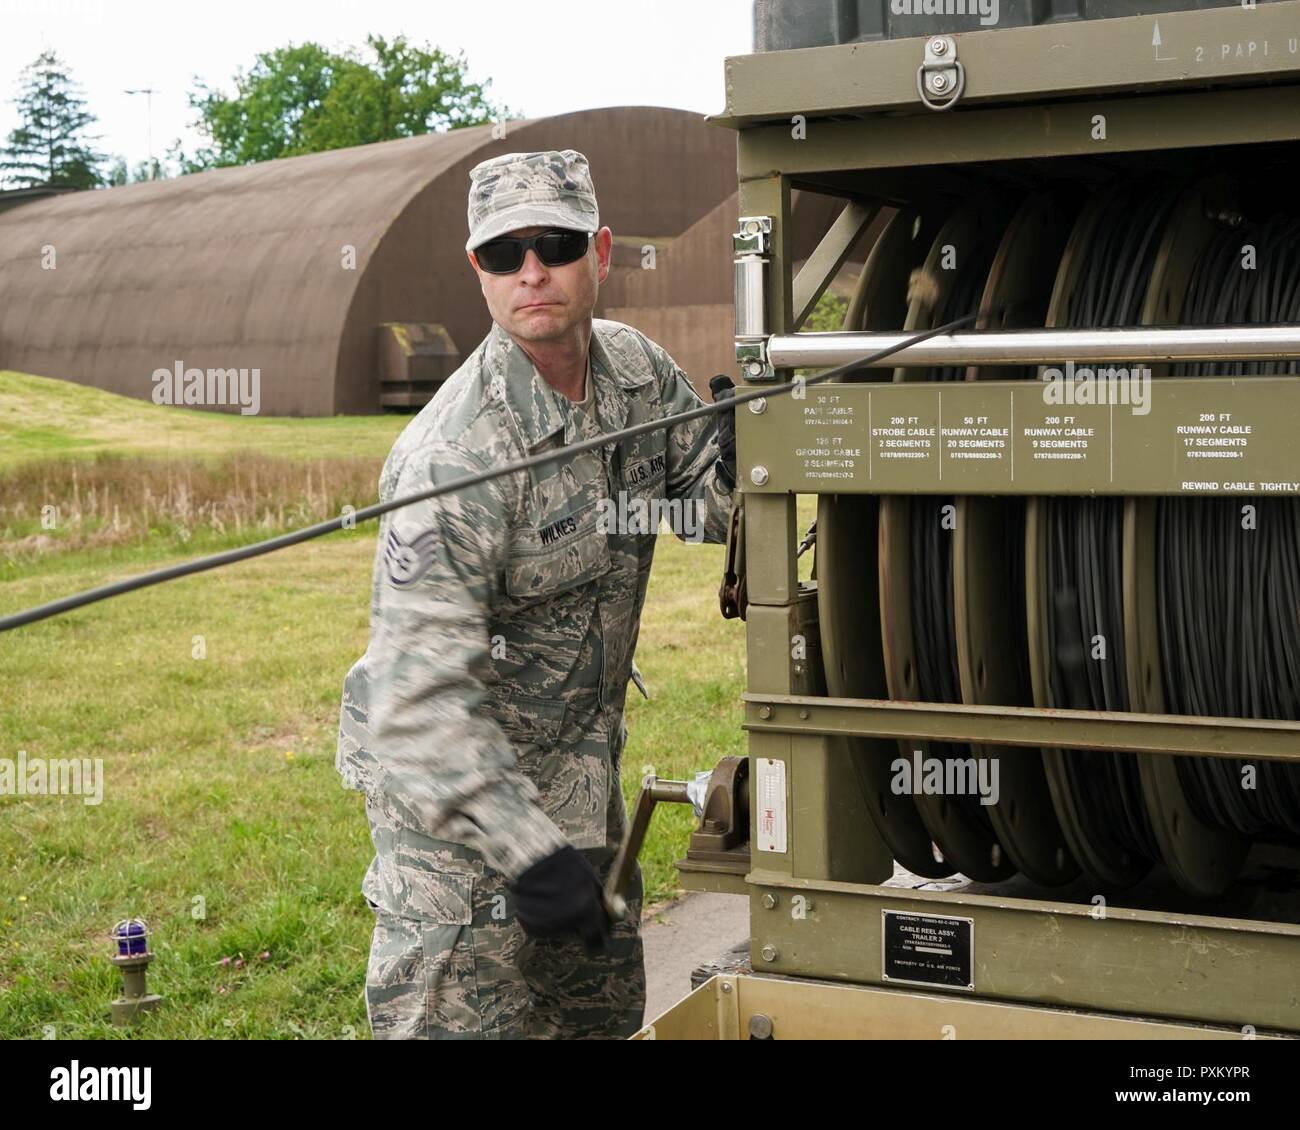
{"x":541,"y":303}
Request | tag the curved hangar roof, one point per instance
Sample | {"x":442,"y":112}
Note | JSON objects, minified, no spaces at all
{"x":249,"y":267}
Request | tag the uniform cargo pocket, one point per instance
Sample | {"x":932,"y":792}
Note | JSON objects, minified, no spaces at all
{"x":428,"y":883}
{"x":421,"y":981}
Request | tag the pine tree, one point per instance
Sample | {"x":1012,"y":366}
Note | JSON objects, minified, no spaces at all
{"x":50,"y":146}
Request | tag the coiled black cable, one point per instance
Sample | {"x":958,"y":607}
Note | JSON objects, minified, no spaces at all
{"x":1246,"y":275}
{"x":1085,"y":582}
{"x":1228,"y":569}
{"x":933,"y":612}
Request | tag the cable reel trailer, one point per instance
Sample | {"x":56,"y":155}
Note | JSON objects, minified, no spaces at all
{"x":1032,"y":766}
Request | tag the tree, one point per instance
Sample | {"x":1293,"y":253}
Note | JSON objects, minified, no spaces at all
{"x":306,"y":99}
{"x":50,"y":146}
{"x":119,"y":174}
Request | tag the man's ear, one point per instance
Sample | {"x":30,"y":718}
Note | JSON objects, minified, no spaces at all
{"x":604,"y":251}
{"x":472,"y":261}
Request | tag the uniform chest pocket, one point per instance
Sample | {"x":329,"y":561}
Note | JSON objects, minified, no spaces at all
{"x":561,"y":553}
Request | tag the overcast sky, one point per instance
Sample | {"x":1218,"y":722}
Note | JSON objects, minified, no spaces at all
{"x":543,"y":58}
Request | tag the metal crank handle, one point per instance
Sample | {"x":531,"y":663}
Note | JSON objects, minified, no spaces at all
{"x":653,"y":791}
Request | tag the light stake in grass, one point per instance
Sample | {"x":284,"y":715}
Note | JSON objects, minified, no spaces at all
{"x":133,"y":956}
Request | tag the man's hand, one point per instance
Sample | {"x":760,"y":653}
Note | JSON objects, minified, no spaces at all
{"x":724,"y":388}
{"x":561,"y":895}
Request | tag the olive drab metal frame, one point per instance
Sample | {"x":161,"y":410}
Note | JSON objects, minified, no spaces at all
{"x":846,"y":120}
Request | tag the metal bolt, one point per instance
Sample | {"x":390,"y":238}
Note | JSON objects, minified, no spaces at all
{"x":726,"y":986}
{"x":939,"y":82}
{"x":938,"y":46}
{"x":769,"y":901}
{"x":758,"y":476}
{"x":755,"y":368}
{"x":765,"y":712}
{"x":760,"y":1027}
{"x":804,"y":714}
{"x":753,"y":227}
{"x":768,"y":953}
{"x":759,"y":406}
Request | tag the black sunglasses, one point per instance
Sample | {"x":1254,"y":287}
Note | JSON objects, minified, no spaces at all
{"x":556,"y":247}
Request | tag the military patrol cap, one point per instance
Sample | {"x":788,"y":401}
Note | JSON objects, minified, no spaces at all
{"x":523,"y":190}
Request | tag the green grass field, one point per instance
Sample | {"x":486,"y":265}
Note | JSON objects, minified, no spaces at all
{"x":39,"y":416}
{"x":223,"y":821}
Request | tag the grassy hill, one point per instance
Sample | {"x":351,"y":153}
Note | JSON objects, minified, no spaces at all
{"x":42,"y":417}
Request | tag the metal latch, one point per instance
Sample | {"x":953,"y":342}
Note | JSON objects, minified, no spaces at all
{"x":941,"y":79}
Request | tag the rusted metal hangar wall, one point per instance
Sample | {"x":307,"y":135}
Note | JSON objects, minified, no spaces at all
{"x":249,"y":267}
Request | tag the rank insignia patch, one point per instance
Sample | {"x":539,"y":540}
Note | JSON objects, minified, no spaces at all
{"x":405,"y":561}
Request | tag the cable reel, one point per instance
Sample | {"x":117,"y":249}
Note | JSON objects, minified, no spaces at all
{"x":1168,"y":605}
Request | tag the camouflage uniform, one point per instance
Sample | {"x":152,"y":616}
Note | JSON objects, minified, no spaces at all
{"x":485,"y":720}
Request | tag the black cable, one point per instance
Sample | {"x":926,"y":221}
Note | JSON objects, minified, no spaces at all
{"x":933,"y":607}
{"x":1085,"y":580}
{"x":1228,"y":591}
{"x":243,"y":553}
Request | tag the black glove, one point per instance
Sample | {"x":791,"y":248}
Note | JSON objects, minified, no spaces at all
{"x":561,"y":895}
{"x":724,"y":388}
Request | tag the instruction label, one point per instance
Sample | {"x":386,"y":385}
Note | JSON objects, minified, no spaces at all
{"x":1195,"y":435}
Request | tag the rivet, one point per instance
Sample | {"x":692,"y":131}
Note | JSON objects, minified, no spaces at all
{"x":759,"y":406}
{"x":768,"y":953}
